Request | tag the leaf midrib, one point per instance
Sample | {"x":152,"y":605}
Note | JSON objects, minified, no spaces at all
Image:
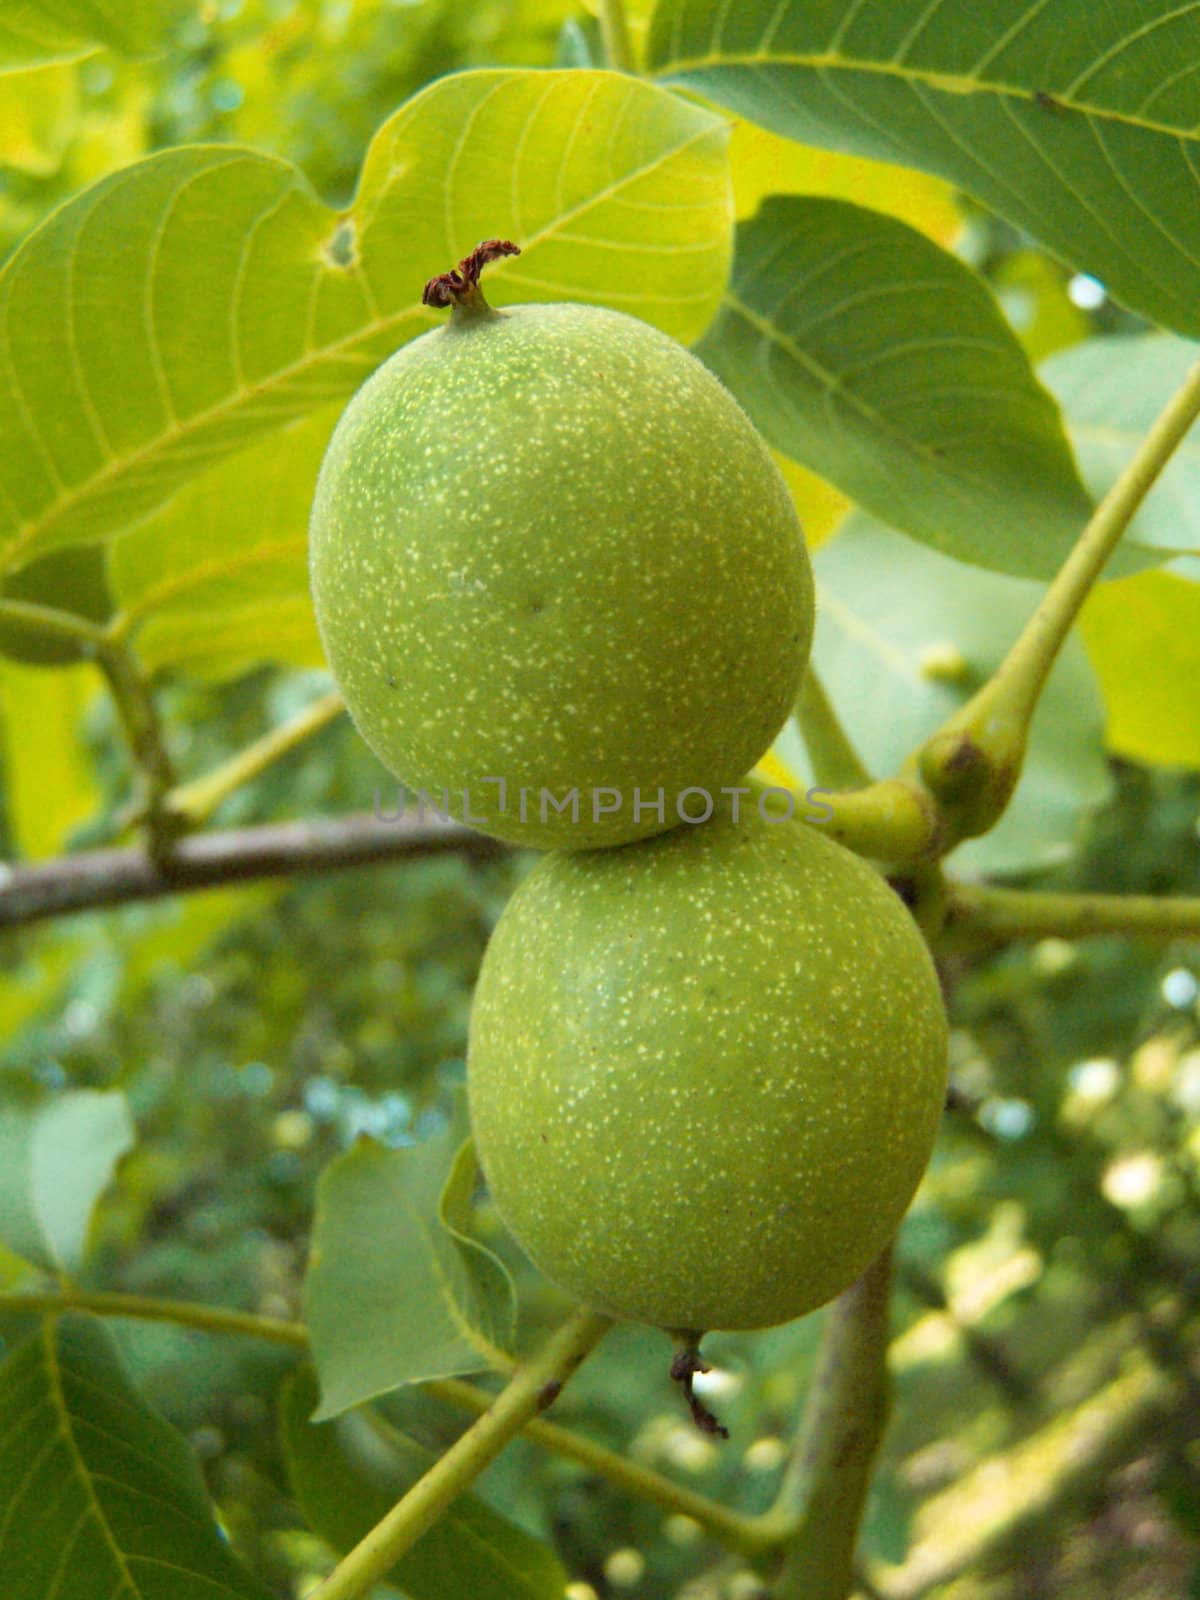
{"x":947,"y":468}
{"x":875,"y":642}
{"x":1117,"y":436}
{"x":950,"y":83}
{"x":66,"y":1432}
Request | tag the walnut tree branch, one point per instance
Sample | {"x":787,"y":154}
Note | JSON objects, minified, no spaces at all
{"x":825,"y":1485}
{"x":96,"y":878}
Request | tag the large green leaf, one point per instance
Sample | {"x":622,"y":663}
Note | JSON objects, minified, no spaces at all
{"x":347,"y":1475}
{"x":217,"y":579}
{"x":878,"y":360}
{"x":99,"y":1498}
{"x":33,"y":31}
{"x":180,"y":307}
{"x":1080,"y":122}
{"x":904,"y":636}
{"x":396,"y":1291}
{"x":56,"y":1158}
{"x":1111,"y":391}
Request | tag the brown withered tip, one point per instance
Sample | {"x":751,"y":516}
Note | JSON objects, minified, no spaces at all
{"x":687,"y":1362}
{"x":449,"y":288}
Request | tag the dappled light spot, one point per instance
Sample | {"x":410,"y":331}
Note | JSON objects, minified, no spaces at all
{"x":1133,"y":1179}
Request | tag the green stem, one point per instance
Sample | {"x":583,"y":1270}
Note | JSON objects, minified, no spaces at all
{"x":973,"y":762}
{"x":896,"y":820}
{"x":618,"y":42}
{"x":144,"y":1308}
{"x":893,"y":820}
{"x":835,"y":761}
{"x":825,"y":1485}
{"x":194,"y":803}
{"x":533,"y":1387}
{"x":45,"y":624}
{"x":747,"y":1535}
{"x":1030,"y":914}
{"x":143,"y":732}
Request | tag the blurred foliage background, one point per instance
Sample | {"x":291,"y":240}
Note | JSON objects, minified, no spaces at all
{"x":1044,"y":1441}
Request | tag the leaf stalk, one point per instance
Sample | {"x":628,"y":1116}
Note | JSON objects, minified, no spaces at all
{"x":533,"y":1387}
{"x":973,"y":763}
{"x":618,"y":41}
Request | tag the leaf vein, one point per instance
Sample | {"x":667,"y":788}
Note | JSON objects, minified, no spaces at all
{"x":238,"y":285}
{"x":65,"y":1432}
{"x":951,"y":83}
{"x":1126,"y":42}
{"x":152,"y":337}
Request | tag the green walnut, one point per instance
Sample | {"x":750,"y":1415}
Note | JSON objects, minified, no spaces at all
{"x":706,"y":1071}
{"x":556,"y":571}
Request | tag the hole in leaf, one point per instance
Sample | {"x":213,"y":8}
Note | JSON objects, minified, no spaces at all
{"x":340,"y":249}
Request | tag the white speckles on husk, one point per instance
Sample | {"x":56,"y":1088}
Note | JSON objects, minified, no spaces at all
{"x":706,"y":1072}
{"x":548,"y":546}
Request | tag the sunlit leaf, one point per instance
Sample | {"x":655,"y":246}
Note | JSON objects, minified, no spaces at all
{"x":763,"y":164}
{"x":172,"y":312}
{"x":348,"y":1474}
{"x":56,"y":1159}
{"x":38,"y":112}
{"x":878,"y":360}
{"x":1079,"y":123}
{"x":99,"y":1497}
{"x":820,"y":505}
{"x":1143,"y":639}
{"x":50,"y":782}
{"x":217,"y":580}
